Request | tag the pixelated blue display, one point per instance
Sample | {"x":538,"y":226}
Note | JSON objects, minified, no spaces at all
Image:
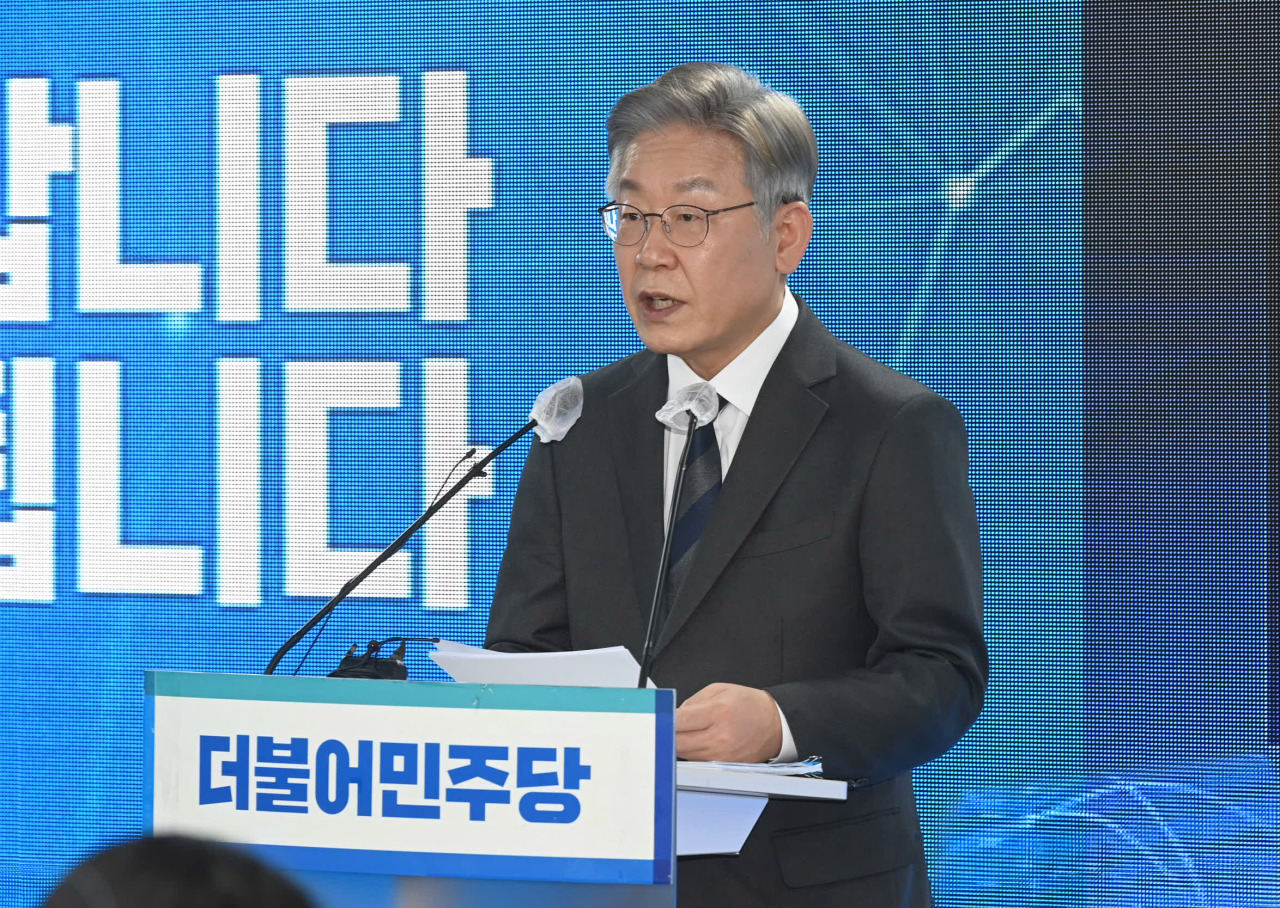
{"x":462,"y":159}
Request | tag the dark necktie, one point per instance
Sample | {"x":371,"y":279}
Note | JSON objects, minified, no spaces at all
{"x":697,"y":496}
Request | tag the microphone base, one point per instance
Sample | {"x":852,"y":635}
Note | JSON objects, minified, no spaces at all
{"x":371,"y":665}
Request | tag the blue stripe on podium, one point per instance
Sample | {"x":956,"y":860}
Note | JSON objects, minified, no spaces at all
{"x":493,"y":867}
{"x":664,"y":787}
{"x":439,"y":694}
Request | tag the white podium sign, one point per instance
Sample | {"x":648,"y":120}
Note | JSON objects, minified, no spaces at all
{"x":419,"y":778}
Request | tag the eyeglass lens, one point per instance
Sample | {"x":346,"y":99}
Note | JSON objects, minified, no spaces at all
{"x":686,"y":225}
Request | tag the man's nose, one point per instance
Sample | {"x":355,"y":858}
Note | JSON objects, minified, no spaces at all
{"x":655,"y":248}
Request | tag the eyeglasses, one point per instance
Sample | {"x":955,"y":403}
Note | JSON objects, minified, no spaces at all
{"x":685,"y":225}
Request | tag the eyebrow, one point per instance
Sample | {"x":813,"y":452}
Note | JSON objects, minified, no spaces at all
{"x":697,"y":184}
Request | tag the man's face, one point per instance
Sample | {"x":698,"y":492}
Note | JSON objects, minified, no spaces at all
{"x":705,"y":303}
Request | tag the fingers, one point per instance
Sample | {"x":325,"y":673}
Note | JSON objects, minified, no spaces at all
{"x":728,"y":722}
{"x":694,"y":717}
{"x":700,"y":711}
{"x":696,"y":751}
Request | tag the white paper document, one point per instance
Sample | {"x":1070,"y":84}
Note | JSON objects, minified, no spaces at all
{"x":712,"y":823}
{"x":613,"y":666}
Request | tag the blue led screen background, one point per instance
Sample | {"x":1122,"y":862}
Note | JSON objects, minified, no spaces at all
{"x":350,"y":241}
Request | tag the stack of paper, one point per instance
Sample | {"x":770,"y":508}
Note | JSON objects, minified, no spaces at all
{"x":809,"y":767}
{"x":611,"y":667}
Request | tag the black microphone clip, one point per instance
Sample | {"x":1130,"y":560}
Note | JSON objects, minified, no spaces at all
{"x":371,"y":665}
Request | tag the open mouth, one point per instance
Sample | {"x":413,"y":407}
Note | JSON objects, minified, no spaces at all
{"x":655,"y":303}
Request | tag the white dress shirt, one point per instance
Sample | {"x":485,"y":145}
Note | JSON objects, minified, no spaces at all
{"x":739,"y":384}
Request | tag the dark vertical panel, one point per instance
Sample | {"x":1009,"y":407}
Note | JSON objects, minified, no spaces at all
{"x":1273,"y":424}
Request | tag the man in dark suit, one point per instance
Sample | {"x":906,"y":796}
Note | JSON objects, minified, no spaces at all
{"x":830,"y":603}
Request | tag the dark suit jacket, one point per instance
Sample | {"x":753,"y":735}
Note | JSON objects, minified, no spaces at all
{"x":839,"y":570}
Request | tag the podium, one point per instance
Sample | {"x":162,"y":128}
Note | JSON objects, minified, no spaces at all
{"x":447,"y":794}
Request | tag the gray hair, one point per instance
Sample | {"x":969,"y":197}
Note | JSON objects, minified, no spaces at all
{"x":781,"y":151}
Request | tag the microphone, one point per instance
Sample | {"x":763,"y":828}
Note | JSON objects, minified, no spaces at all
{"x":555,"y":410}
{"x":698,"y":401}
{"x":554,"y":413}
{"x":692,"y":406}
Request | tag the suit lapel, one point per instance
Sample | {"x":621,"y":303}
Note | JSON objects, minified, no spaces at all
{"x":783,"y":420}
{"x":636,"y":440}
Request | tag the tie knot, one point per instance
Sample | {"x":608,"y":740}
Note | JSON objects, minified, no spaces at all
{"x":707,"y":428}
{"x":720,"y":403}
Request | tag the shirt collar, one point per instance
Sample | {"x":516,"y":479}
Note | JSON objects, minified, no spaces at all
{"x":739,"y":382}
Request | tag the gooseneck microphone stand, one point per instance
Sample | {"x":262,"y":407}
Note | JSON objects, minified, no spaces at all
{"x":660,"y":588}
{"x":349,"y":587}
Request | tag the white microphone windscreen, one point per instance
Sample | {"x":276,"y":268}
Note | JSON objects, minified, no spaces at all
{"x":557,"y":409}
{"x":700,"y":399}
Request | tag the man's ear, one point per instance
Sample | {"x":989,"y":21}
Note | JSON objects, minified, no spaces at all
{"x":792,"y":229}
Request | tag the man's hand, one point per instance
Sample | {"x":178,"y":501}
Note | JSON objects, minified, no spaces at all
{"x":729,"y":722}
